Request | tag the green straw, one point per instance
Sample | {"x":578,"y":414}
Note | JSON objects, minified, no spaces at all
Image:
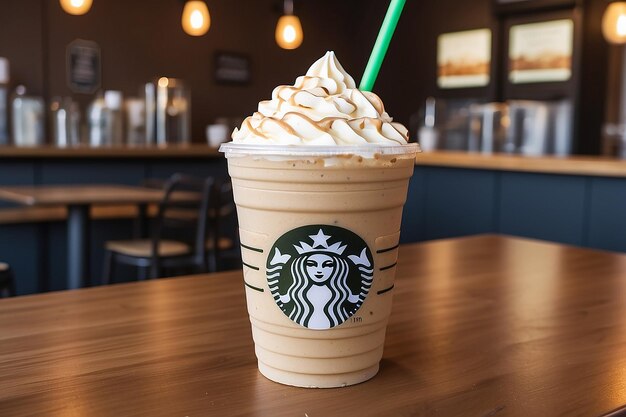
{"x":381,"y":45}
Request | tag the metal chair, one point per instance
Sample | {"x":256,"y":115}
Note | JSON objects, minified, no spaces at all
{"x":182,"y":220}
{"x":220,"y":245}
{"x":7,"y":281}
{"x":141,"y":222}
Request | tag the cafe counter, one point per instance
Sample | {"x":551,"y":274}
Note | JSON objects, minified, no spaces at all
{"x":575,"y":200}
{"x":193,"y":151}
{"x":578,"y":200}
{"x":571,"y":165}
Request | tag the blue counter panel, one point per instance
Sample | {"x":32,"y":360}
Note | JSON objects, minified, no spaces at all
{"x":549,"y":207}
{"x":413,"y":215}
{"x":459,"y":202}
{"x":56,"y":273}
{"x":164,"y":169}
{"x":607,"y":214}
{"x":21,"y":247}
{"x":93,"y":172}
{"x":55,"y":257}
{"x":102,"y":231}
{"x":16,"y":173}
{"x":19,"y":243}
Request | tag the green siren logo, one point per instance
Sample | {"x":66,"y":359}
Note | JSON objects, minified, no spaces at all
{"x":319,"y":275}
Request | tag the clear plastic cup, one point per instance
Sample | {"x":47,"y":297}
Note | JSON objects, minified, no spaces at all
{"x":319,"y":229}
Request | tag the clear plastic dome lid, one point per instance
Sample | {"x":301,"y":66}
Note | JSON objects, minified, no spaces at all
{"x":366,"y":151}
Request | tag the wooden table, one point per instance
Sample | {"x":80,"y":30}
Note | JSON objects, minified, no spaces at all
{"x":482,"y":326}
{"x":78,"y":199}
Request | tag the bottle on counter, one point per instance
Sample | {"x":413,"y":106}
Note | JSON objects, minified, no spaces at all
{"x":65,"y":122}
{"x":28,"y":118}
{"x":488,"y":124}
{"x":528,"y":132}
{"x":168,"y":111}
{"x":96,"y":121}
{"x":105,"y":118}
{"x":428,"y":135}
{"x":114,"y":101}
{"x":149,"y":98}
{"x":4,"y":98}
{"x":135,"y":110}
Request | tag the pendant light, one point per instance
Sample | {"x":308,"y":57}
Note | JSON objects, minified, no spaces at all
{"x":614,"y":23}
{"x":76,"y":7}
{"x":196,"y":19}
{"x":289,"y":33}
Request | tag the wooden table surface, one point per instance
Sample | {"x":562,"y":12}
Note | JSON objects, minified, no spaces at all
{"x":482,"y":326}
{"x":54,"y":195}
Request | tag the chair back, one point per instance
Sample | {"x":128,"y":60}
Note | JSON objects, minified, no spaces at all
{"x":221,"y":220}
{"x":184,"y":219}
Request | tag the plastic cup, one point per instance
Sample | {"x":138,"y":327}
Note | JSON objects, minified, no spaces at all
{"x":319,"y":229}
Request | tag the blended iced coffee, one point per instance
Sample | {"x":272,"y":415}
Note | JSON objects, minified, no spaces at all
{"x":320,"y":175}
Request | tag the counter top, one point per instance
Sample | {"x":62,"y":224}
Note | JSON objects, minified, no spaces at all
{"x":572,"y":165}
{"x":178,"y":151}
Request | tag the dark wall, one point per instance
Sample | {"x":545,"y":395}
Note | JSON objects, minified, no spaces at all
{"x":594,"y":73}
{"x":21,"y":41}
{"x":141,"y":39}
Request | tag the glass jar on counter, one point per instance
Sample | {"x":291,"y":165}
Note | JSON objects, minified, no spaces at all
{"x":168,"y":111}
{"x":28,"y":118}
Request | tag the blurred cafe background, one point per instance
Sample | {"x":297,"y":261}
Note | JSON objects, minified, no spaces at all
{"x":519,"y":107}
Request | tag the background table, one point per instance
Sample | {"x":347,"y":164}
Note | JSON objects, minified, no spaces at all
{"x":482,"y":326}
{"x":78,"y":199}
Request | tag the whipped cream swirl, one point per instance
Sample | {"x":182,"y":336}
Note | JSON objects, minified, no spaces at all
{"x":322,"y":108}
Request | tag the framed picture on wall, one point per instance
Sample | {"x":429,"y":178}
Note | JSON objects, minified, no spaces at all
{"x":464,"y":59}
{"x":541,"y":52}
{"x":232,"y":68}
{"x":83,"y":66}
{"x":555,"y":76}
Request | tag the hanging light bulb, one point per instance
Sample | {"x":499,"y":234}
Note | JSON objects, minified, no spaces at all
{"x":614,"y":23}
{"x":76,"y":7}
{"x":289,"y":33}
{"x":196,"y":19}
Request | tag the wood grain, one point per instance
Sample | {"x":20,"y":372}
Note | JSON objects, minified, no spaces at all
{"x":143,"y":247}
{"x":54,"y":195}
{"x":50,"y":214}
{"x":482,"y":326}
{"x":121,"y":151}
{"x":573,"y":165}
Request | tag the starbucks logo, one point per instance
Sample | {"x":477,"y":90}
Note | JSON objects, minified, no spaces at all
{"x":319,"y":275}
